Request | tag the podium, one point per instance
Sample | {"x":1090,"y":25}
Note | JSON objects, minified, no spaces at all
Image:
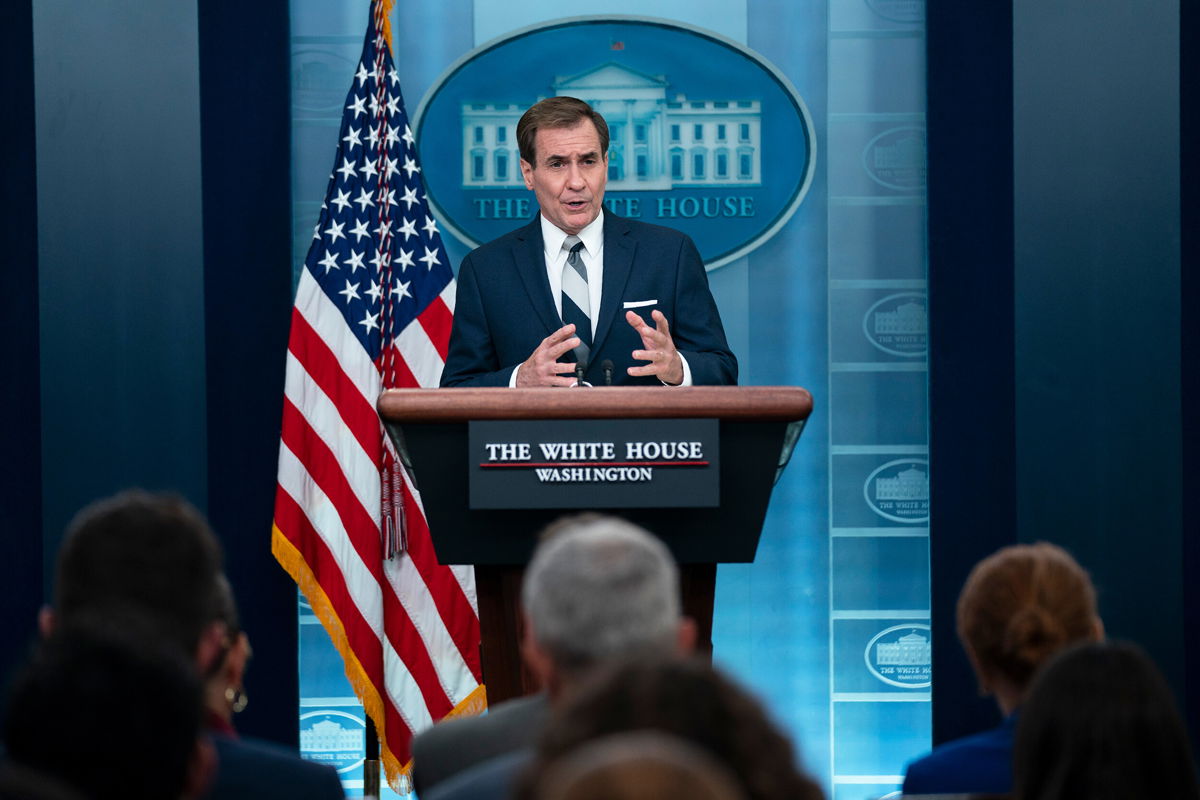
{"x":757,"y":427}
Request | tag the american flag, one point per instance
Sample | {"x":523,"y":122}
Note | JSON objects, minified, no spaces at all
{"x":373,"y":311}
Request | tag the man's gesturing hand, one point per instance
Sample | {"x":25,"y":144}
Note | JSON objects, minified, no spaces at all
{"x":543,"y":368}
{"x":659,"y":349}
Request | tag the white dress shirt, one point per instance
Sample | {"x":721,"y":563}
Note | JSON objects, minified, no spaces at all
{"x":592,"y":254}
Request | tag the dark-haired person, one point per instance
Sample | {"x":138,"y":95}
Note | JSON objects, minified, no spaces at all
{"x":580,"y":284}
{"x":156,"y":554}
{"x":1019,"y":607}
{"x":103,"y":711}
{"x":1100,"y":723}
{"x":685,"y":698}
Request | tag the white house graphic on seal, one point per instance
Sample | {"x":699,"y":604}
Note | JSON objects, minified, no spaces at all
{"x":909,"y":319}
{"x":329,"y":736}
{"x":901,"y":656}
{"x":911,"y":484}
{"x":910,"y":650}
{"x":656,"y":143}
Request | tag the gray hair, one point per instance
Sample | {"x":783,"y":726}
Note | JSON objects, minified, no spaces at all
{"x":600,"y":587}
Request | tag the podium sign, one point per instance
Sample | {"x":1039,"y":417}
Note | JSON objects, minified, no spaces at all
{"x":751,"y":428}
{"x":446,"y":438}
{"x":594,"y":463}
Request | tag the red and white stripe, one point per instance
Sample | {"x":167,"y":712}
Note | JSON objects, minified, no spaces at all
{"x":408,"y":627}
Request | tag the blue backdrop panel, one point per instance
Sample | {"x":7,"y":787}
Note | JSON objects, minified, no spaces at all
{"x":821,"y":284}
{"x":120,"y":254}
{"x":878,"y":738}
{"x":880,"y":572}
{"x":872,"y":241}
{"x":900,"y":394}
{"x":21,"y":585}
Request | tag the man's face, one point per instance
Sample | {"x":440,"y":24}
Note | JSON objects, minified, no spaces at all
{"x":570,"y":174}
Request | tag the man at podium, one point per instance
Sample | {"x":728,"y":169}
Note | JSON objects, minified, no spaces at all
{"x":580,"y":294}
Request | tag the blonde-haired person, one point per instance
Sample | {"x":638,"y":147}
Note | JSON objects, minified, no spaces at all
{"x":1019,"y":607}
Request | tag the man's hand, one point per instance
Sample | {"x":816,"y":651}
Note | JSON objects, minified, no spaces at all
{"x":660,"y":351}
{"x":543,"y":368}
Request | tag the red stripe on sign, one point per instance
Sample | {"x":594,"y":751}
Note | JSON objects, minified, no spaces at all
{"x":527,"y":464}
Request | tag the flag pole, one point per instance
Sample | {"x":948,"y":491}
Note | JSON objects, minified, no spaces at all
{"x":371,"y":781}
{"x":372,"y":766}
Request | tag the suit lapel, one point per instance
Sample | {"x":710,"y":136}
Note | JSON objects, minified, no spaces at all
{"x":529,"y":255}
{"x":619,"y":247}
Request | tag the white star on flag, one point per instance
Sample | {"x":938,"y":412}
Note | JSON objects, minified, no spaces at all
{"x":335,"y":230}
{"x":430,"y":258}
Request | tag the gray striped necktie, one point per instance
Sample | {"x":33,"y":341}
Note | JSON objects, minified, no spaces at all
{"x":576,"y":305}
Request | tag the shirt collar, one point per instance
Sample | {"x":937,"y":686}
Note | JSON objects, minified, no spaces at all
{"x":592,"y":236}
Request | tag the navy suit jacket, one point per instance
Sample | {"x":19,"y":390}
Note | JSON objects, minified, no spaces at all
{"x":504,"y":308}
{"x":251,"y":770}
{"x":451,"y":747}
{"x":981,"y":763}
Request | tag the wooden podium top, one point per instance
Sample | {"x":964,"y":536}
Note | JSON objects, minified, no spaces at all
{"x":762,"y":403}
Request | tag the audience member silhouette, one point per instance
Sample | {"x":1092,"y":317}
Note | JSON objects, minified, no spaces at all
{"x":1100,"y":723}
{"x":157,"y":554}
{"x":642,"y":765}
{"x":597,"y":588}
{"x":224,"y":694}
{"x":687,"y":698}
{"x":106,"y":710}
{"x":22,"y":783}
{"x":1019,"y":607}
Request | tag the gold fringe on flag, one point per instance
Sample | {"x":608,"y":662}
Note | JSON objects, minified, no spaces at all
{"x":398,"y":775}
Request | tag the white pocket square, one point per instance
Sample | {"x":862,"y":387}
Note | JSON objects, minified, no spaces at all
{"x":639,"y":303}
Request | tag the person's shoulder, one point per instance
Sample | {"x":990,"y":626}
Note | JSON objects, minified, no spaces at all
{"x":516,"y":712}
{"x":644,"y":230}
{"x":451,"y":746}
{"x":491,"y":779}
{"x":250,"y":767}
{"x":976,"y":763}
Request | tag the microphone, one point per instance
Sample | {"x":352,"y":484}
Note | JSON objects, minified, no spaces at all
{"x":580,"y":369}
{"x":607,"y":366}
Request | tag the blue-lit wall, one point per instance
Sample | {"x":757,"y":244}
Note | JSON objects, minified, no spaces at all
{"x":830,"y":625}
{"x":150,"y":292}
{"x":103,"y":388}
